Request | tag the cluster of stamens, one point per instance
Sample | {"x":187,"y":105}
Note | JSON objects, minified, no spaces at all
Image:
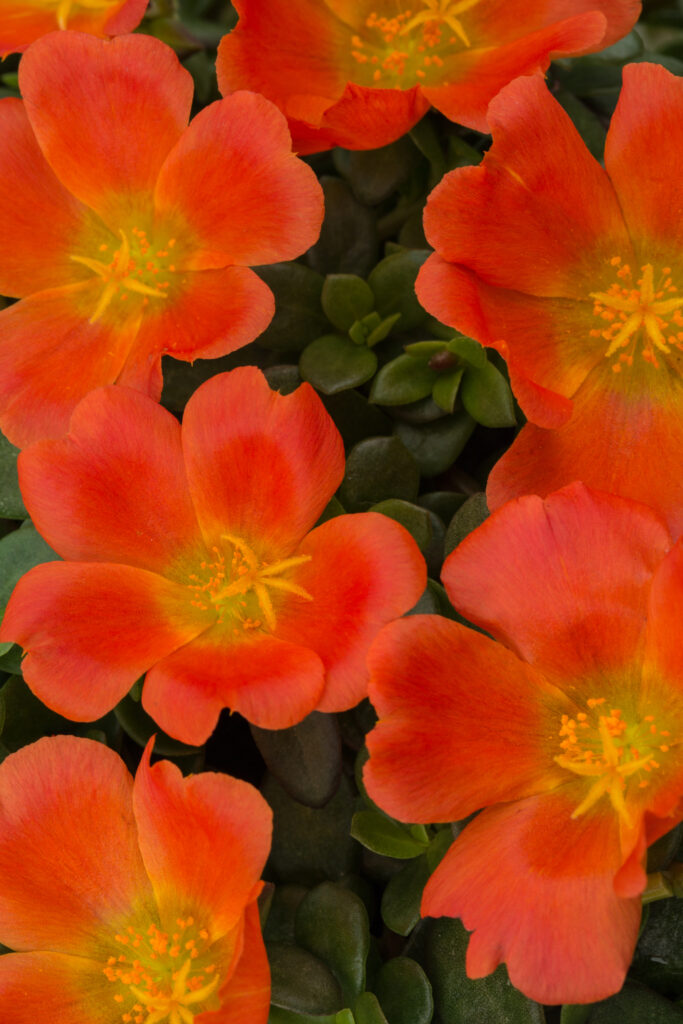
{"x":410,"y":39}
{"x":135,"y":266}
{"x":65,"y":8}
{"x":603,"y":745}
{"x":164,"y":975}
{"x":639,"y":309}
{"x":236,"y":586}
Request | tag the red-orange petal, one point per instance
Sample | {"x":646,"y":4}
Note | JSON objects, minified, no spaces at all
{"x":563,"y":582}
{"x":531,"y":854}
{"x":272,"y":683}
{"x":246,"y":997}
{"x":519,"y":220}
{"x":51,"y":357}
{"x":244,"y":195}
{"x":203,"y":839}
{"x":214,"y":313}
{"x":114,"y":489}
{"x":53,"y":987}
{"x":68,"y":849}
{"x":483,"y":714}
{"x":262,"y":466}
{"x":106,"y":114}
{"x":22,"y":23}
{"x":365,"y":570}
{"x":91,"y":629}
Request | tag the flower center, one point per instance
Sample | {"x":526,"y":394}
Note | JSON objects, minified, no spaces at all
{"x":410,"y":44}
{"x":161,"y":976}
{"x":238,"y":586}
{"x":602,"y":745}
{"x":641,"y":309}
{"x":67,"y":8}
{"x":135,"y":266}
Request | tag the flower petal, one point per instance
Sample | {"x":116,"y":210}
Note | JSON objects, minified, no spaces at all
{"x":214,"y":860}
{"x":68,"y":847}
{"x":261,"y":466}
{"x":246,"y":198}
{"x":114,"y":489}
{"x":105,"y":114}
{"x":574,"y":940}
{"x":365,"y":570}
{"x":272,"y":683}
{"x":519,"y":220}
{"x":55,"y":987}
{"x":51,"y":356}
{"x":563,"y":582}
{"x":486,"y":744}
{"x":91,"y":629}
{"x":246,"y":997}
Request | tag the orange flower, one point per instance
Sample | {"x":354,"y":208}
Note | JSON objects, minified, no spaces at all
{"x":128,"y":232}
{"x":361,"y":73}
{"x":129,"y":902}
{"x":189,"y":555}
{"x":575,"y":275}
{"x":21,"y":23}
{"x":567,"y":732}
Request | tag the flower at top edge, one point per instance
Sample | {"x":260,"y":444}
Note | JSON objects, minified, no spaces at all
{"x":575,"y":274}
{"x":22,"y":23}
{"x":128,"y":233}
{"x":191,"y":555}
{"x":565,"y":731}
{"x":129,"y":901}
{"x":361,"y":74}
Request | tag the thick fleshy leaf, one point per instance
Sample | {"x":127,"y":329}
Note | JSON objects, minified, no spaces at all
{"x":214,"y":861}
{"x":51,"y":356}
{"x":426,"y":681}
{"x":564,"y":582}
{"x":246,"y":997}
{"x":68,"y":989}
{"x":521,"y":200}
{"x":68,"y":848}
{"x":272,"y":683}
{"x":365,"y":570}
{"x":106,"y":114}
{"x":114,"y":489}
{"x":91,"y":629}
{"x":261,"y":466}
{"x":531,"y":853}
{"x":239,"y":188}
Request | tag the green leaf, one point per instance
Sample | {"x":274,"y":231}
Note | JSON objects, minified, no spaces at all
{"x":298,"y":319}
{"x":469,"y":516}
{"x":27,"y":719}
{"x":382,"y":835}
{"x":368,"y":1011}
{"x":626,"y":49}
{"x":305,"y":759}
{"x":635,"y":1005}
{"x":416,"y":520}
{"x":436,"y":446}
{"x":332,"y":923}
{"x":403,"y":893}
{"x":301,"y":981}
{"x":378,"y":468}
{"x":135,"y":721}
{"x":427,"y":141}
{"x":375,"y":174}
{"x":11,"y":502}
{"x":405,"y":379}
{"x":348,"y":242}
{"x":486,"y":396}
{"x":333,"y":363}
{"x":281,"y":1016}
{"x":426,"y":349}
{"x":404,"y":992}
{"x":345,"y":299}
{"x":382,"y":330}
{"x":279,"y":924}
{"x":20,"y":551}
{"x":445,"y":390}
{"x":393,"y":284}
{"x":658,"y":959}
{"x":575,"y":1013}
{"x":469,"y":351}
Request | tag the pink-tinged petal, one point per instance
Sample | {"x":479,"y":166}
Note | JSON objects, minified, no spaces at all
{"x":54,"y":987}
{"x":519,"y":220}
{"x":563,"y":582}
{"x":272,"y":683}
{"x":114,"y":489}
{"x":91,"y":629}
{"x":365,"y":570}
{"x":647,"y":120}
{"x":68,"y":848}
{"x":245,"y":197}
{"x":477,"y":75}
{"x":531,"y":854}
{"x":621,"y":15}
{"x":485,"y":745}
{"x":215,"y":859}
{"x":51,"y":357}
{"x":214,"y":313}
{"x":262,"y":466}
{"x":40,"y":220}
{"x":106,"y":114}
{"x":621,"y":438}
{"x":246,"y":996}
